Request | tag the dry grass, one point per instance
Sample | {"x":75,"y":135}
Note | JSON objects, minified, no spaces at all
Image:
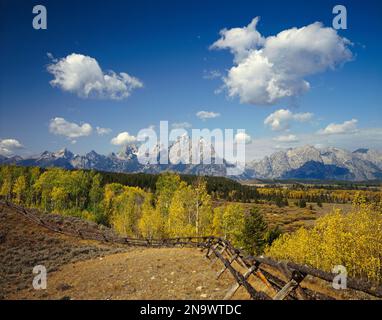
{"x":166,"y":273}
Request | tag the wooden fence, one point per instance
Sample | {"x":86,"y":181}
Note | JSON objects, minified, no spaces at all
{"x":281,"y":279}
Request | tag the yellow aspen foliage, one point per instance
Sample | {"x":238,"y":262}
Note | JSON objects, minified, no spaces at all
{"x":190,"y":211}
{"x":19,"y":189}
{"x":151,"y":224}
{"x":166,"y":186}
{"x":228,"y":222}
{"x":6,"y":189}
{"x":181,"y":218}
{"x":111,"y":190}
{"x":59,"y":197}
{"x":203,"y":208}
{"x":233,"y":222}
{"x":353,"y":240}
{"x":87,"y":215}
{"x":217,"y":222}
{"x":126,"y":210}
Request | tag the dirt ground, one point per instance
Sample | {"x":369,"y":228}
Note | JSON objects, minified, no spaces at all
{"x":165,"y":273}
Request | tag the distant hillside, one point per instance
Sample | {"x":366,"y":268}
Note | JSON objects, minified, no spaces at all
{"x":317,"y":170}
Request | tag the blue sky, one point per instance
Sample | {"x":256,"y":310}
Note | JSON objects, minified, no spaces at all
{"x":166,"y":47}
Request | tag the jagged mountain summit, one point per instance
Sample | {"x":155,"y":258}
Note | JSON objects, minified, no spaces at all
{"x":305,"y":162}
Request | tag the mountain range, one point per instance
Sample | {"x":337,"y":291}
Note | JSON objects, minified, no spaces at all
{"x":305,"y":162}
{"x":308,"y":162}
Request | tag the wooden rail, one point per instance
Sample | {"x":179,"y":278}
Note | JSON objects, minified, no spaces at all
{"x":241,"y":266}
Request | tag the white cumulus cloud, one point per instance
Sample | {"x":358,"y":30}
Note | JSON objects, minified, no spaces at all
{"x":281,"y":119}
{"x":204,"y":115}
{"x":123,"y":138}
{"x":240,"y":41}
{"x":71,"y":130}
{"x":269,"y":69}
{"x":340,"y":128}
{"x":242,"y":137}
{"x":82,"y":75}
{"x":9,"y":146}
{"x":103,"y":131}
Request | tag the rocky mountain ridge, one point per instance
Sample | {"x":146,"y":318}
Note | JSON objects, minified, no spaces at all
{"x":305,"y":162}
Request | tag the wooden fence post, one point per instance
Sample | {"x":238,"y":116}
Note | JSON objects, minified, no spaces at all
{"x":221,"y":253}
{"x":211,"y":250}
{"x":237,"y":285}
{"x":225,"y":267}
{"x":291,"y":285}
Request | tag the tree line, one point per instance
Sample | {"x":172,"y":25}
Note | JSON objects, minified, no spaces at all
{"x":318,"y":195}
{"x":220,"y":188}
